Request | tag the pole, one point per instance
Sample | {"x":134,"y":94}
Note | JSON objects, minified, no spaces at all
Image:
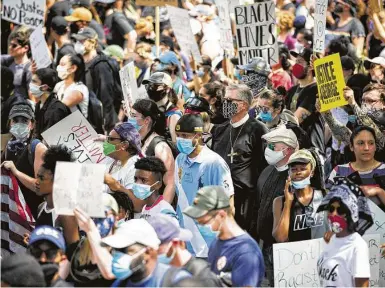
{"x":157,"y":30}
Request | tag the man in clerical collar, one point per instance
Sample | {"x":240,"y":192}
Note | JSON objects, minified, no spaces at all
{"x":239,"y":142}
{"x":195,"y":167}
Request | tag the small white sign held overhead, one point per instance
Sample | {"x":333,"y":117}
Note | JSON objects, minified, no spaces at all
{"x":319,"y":26}
{"x":39,"y":48}
{"x":225,"y":25}
{"x":24,"y":12}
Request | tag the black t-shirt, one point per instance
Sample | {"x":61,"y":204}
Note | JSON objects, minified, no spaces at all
{"x":116,"y":26}
{"x":44,"y":217}
{"x":375,"y":47}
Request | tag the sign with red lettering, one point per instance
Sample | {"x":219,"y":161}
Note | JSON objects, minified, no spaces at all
{"x":24,"y":12}
{"x":76,"y":134}
{"x":330,"y":82}
{"x":256,"y":32}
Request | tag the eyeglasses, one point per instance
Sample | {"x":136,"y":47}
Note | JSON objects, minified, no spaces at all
{"x":340,"y":210}
{"x":49,"y":253}
{"x":110,"y":138}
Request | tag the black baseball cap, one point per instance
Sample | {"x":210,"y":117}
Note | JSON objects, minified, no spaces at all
{"x":305,"y":54}
{"x":59,"y":25}
{"x":190,"y":123}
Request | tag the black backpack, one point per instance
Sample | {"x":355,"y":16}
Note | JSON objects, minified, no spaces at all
{"x":95,"y":112}
{"x":157,"y":139}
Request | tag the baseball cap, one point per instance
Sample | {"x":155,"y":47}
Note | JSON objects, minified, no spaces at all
{"x":168,"y":58}
{"x":166,"y":40}
{"x":47,"y":233}
{"x":128,"y":132}
{"x":305,"y":54}
{"x":282,"y":134}
{"x":22,"y":270}
{"x":85,"y":33}
{"x":22,"y":109}
{"x":208,"y":198}
{"x":114,"y":51}
{"x":159,"y":78}
{"x":197,"y":104}
{"x":110,"y":202}
{"x":299,"y":22}
{"x":190,"y":123}
{"x":168,"y":229}
{"x":257,"y":64}
{"x":59,"y":25}
{"x":132,"y":232}
{"x":302,"y":156}
{"x":80,"y":14}
{"x":375,"y":60}
{"x":347,"y":63}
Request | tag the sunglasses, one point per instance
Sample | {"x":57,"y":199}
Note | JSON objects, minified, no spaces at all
{"x":49,"y":253}
{"x":110,"y":138}
{"x":340,"y":210}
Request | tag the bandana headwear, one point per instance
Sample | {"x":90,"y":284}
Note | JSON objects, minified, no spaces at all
{"x":128,"y":132}
{"x":354,"y":199}
{"x":255,"y":81}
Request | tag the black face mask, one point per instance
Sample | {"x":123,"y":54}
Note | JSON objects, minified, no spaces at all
{"x":339,"y":8}
{"x":156,"y":95}
{"x":49,"y":270}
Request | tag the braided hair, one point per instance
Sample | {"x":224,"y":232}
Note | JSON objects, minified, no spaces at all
{"x":125,"y":203}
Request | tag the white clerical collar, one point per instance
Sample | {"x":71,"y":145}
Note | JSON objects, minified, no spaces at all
{"x":282,"y":168}
{"x":240,"y":122}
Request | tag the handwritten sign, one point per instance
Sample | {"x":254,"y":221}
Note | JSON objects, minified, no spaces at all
{"x":256,"y":32}
{"x":131,"y":92}
{"x":180,"y":22}
{"x":319,"y":25}
{"x":24,"y":12}
{"x":295,"y":263}
{"x":39,"y":48}
{"x":330,"y":82}
{"x":157,"y":2}
{"x":78,"y":185}
{"x":226,"y":35}
{"x":76,"y":134}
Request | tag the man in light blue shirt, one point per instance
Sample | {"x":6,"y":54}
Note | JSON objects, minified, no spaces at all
{"x":195,"y":167}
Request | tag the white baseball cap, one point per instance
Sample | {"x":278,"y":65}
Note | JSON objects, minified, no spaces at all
{"x":135,"y":231}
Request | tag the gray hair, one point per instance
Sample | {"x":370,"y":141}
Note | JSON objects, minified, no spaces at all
{"x":243,"y":92}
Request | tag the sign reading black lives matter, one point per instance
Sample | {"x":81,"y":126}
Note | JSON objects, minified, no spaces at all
{"x":256,"y":32}
{"x":24,"y":12}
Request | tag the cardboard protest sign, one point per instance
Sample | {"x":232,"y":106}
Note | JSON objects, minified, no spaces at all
{"x":256,"y":32}
{"x":76,"y":134}
{"x":157,"y":2}
{"x":225,"y":25}
{"x":255,"y":82}
{"x":376,"y":5}
{"x":295,"y":263}
{"x":180,"y":22}
{"x":39,"y":48}
{"x":319,"y":26}
{"x":330,"y":82}
{"x":78,"y":185}
{"x":131,"y":93}
{"x":24,"y":12}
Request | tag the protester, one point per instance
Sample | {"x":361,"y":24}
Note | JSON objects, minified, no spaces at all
{"x":195,"y":167}
{"x":280,"y":76}
{"x":148,"y":186}
{"x":285,"y":25}
{"x":135,"y":260}
{"x":59,"y":33}
{"x":271,"y":106}
{"x":376,"y":68}
{"x":143,"y":61}
{"x":230,"y":252}
{"x":115,"y":52}
{"x":214,"y":93}
{"x":244,"y":152}
{"x":346,"y":255}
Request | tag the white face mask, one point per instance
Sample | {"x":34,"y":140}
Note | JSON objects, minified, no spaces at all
{"x":79,"y":48}
{"x":62,"y":72}
{"x":35,"y":90}
{"x":273,"y":157}
{"x":298,"y":46}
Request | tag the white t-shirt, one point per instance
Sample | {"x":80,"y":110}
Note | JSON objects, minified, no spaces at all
{"x":161,"y":206}
{"x":63,"y":93}
{"x":123,"y":174}
{"x":343,"y":260}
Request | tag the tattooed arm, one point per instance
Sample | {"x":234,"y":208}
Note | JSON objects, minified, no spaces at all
{"x":339,"y":131}
{"x":301,"y":114}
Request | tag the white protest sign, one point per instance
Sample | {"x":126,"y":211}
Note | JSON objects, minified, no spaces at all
{"x":39,"y":48}
{"x":131,"y":92}
{"x":79,"y":185}
{"x":378,"y":228}
{"x":256,"y":32}
{"x":24,"y":12}
{"x":319,"y":25}
{"x":126,"y":86}
{"x":78,"y":135}
{"x":225,"y":25}
{"x":180,"y":22}
{"x":295,"y":263}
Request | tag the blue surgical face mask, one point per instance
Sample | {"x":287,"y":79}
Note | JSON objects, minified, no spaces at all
{"x":352,"y":119}
{"x":121,"y":263}
{"x":300,"y":184}
{"x":265,"y":116}
{"x":163,"y":258}
{"x":237,"y":74}
{"x":35,"y":90}
{"x":185,"y":146}
{"x":142,"y":191}
{"x":134,"y":123}
{"x":20,"y":131}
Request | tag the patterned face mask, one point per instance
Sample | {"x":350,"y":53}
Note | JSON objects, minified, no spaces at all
{"x":229,"y":109}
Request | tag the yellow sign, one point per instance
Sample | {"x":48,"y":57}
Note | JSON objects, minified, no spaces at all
{"x":157,"y":2}
{"x":330,"y":82}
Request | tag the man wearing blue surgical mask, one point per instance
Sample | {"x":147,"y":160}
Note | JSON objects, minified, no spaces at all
{"x":195,"y":167}
{"x":148,"y":187}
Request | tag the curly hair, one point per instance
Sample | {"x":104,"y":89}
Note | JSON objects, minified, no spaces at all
{"x":286,"y":20}
{"x":125,"y":203}
{"x":145,"y":25}
{"x":152,"y":164}
{"x":54,"y":154}
{"x":277,"y":100}
{"x":143,"y":49}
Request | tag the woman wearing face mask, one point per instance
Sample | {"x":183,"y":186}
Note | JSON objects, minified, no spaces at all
{"x":344,"y":261}
{"x":271,"y":105}
{"x":24,"y":154}
{"x":280,"y":72}
{"x":71,"y":90}
{"x":295,"y":213}
{"x":363,"y":145}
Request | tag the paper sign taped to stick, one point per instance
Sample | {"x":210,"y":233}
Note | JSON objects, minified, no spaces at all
{"x":180,"y":22}
{"x":39,"y":48}
{"x":79,"y":185}
{"x":24,"y":12}
{"x":330,"y":82}
{"x":295,"y":263}
{"x":319,"y":25}
{"x":225,"y":25}
{"x":78,"y":135}
{"x":256,"y":32}
{"x":157,"y":2}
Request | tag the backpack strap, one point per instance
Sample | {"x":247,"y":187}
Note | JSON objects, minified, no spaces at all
{"x":151,"y":147}
{"x":31,"y":151}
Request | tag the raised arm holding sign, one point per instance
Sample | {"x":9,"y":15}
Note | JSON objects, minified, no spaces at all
{"x":24,"y":12}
